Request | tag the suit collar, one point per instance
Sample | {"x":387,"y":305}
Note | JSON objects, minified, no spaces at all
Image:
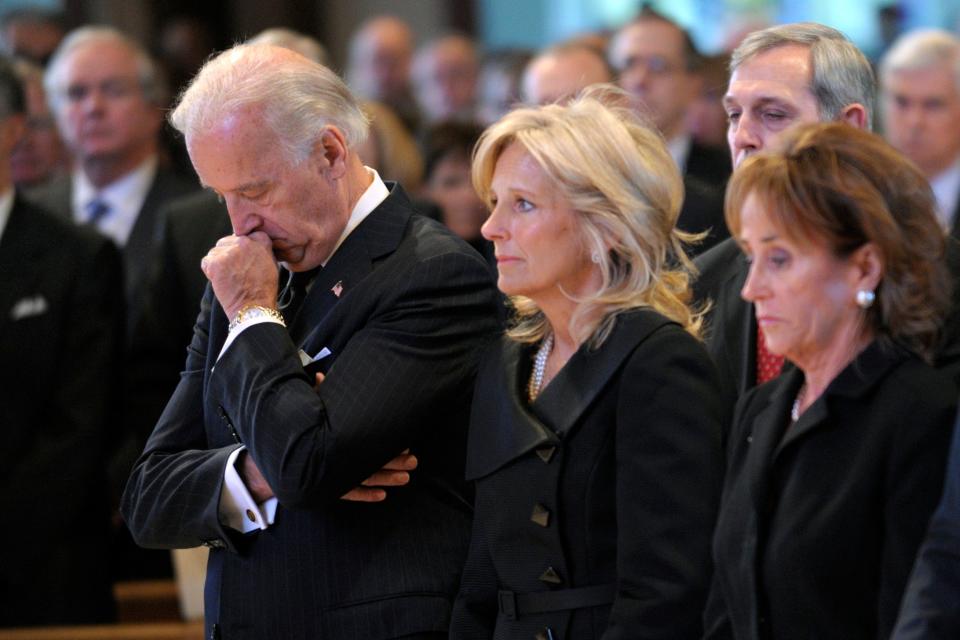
{"x":377,"y":235}
{"x":504,"y":426}
{"x":773,"y":432}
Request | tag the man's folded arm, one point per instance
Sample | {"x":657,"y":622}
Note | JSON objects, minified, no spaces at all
{"x":412,"y":361}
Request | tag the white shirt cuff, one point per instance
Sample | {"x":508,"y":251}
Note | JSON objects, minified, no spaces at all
{"x":237,"y":508}
{"x":243,"y":324}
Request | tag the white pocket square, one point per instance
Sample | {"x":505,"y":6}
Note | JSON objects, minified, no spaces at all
{"x":27,"y":307}
{"x":306,"y":358}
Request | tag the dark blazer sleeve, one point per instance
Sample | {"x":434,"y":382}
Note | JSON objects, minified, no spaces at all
{"x":172,"y":497}
{"x":417,"y":346}
{"x":668,"y":481}
{"x":931,"y":606}
{"x":387,"y":378}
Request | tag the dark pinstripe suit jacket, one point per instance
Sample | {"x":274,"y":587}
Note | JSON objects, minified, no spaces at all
{"x":416,"y":306}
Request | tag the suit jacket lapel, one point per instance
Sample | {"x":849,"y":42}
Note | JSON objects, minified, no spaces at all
{"x":378,"y":235}
{"x":767,"y":432}
{"x":568,"y":395}
{"x":508,"y":428}
{"x":502,"y":427}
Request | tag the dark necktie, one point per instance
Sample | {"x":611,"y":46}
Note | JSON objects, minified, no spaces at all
{"x":768,"y":364}
{"x":96,"y":209}
{"x":294,"y":292}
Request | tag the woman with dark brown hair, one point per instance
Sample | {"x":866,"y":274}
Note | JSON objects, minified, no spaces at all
{"x":835,"y":467}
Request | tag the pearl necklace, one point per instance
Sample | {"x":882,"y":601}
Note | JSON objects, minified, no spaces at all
{"x":795,"y":409}
{"x":539,"y":366}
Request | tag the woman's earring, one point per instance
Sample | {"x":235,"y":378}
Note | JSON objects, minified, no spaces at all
{"x":595,"y":256}
{"x":865,"y":298}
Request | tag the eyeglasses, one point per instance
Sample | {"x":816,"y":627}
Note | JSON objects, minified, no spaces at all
{"x":655,"y":65}
{"x":111,"y":88}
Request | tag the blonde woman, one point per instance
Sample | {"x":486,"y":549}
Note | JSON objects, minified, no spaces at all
{"x":595,"y":439}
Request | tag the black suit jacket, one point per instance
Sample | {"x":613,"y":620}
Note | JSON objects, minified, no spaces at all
{"x":821,"y":519}
{"x":931,"y":606}
{"x":139,"y":252}
{"x":702,"y":210}
{"x":711,"y":165}
{"x":414,"y":306}
{"x":61,"y":328}
{"x":611,"y":477}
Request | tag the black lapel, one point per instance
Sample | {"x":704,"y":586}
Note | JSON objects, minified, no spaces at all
{"x":379,"y":234}
{"x":20,"y":253}
{"x":855,"y":380}
{"x":767,"y":431}
{"x":568,"y":395}
{"x":502,"y":428}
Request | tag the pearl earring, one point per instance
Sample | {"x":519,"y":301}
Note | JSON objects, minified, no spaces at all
{"x":865,"y":298}
{"x":595,"y":257}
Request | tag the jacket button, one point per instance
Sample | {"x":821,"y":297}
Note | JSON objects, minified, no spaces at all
{"x":546,"y":453}
{"x":540,"y":515}
{"x":221,"y":412}
{"x":550,"y":576}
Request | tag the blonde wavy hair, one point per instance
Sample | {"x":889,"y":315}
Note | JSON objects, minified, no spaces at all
{"x":619,"y":178}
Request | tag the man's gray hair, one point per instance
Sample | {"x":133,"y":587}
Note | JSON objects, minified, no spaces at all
{"x":841,"y":74}
{"x":298,"y":98}
{"x":151,"y":80}
{"x":923,"y":49}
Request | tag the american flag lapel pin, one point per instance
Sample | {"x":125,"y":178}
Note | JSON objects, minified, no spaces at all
{"x":337,"y":289}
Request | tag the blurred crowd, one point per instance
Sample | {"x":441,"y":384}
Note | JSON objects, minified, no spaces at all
{"x":810,"y":447}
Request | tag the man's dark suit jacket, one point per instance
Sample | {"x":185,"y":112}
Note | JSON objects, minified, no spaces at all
{"x":61,"y":331}
{"x":610,"y":478}
{"x":138,"y":254}
{"x":403,"y":307}
{"x":174,"y":288}
{"x":711,"y":165}
{"x":732,"y":327}
{"x":821,"y":520}
{"x":702,"y":210}
{"x":931,"y":606}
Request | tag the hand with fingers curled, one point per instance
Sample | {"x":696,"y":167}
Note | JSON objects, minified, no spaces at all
{"x":242,"y":271}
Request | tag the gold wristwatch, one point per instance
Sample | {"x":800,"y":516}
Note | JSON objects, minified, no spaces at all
{"x":250,"y":311}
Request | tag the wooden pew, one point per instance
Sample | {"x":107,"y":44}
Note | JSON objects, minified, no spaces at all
{"x":140,"y":631}
{"x":147,"y":601}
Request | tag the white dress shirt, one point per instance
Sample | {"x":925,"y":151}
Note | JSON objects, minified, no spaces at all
{"x":946,"y":189}
{"x":124,"y":197}
{"x":6,"y":206}
{"x":679,"y":148}
{"x":238,"y":510}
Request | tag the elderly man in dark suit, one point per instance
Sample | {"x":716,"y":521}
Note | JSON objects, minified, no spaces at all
{"x":249,"y":457}
{"x":108,"y":98}
{"x":108,"y":101}
{"x":61,"y":319}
